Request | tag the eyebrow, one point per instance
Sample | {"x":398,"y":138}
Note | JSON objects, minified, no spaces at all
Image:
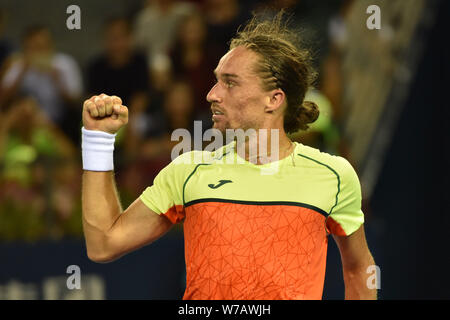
{"x":226,"y":75}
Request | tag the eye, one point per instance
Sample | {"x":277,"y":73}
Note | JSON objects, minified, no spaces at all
{"x":230,"y":84}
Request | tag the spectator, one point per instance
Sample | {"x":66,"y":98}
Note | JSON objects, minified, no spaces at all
{"x":178,"y":112}
{"x":155,"y":152}
{"x":156,"y":25}
{"x":192,"y":61}
{"x":332,"y":66}
{"x":223,"y":19}
{"x":123,"y":71}
{"x":51,"y":78}
{"x":161,"y":72}
{"x":119,"y":69}
{"x":27,"y":125}
{"x":179,"y":106}
{"x":332,"y":79}
{"x":149,"y":122}
{"x":32,"y":149}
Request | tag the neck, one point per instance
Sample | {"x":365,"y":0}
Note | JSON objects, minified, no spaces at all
{"x":264,"y":146}
{"x":118,"y":61}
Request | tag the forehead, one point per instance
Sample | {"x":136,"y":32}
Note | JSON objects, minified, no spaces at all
{"x":39,"y":37}
{"x":238,"y":61}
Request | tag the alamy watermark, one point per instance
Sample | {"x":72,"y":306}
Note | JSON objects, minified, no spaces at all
{"x":257,"y":146}
{"x":73,"y":21}
{"x":374,"y":20}
{"x":374,"y":280}
{"x":74,"y":280}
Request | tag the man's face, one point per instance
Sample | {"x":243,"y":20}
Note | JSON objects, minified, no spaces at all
{"x":237,"y":99}
{"x":118,"y":39}
{"x":39,"y":43}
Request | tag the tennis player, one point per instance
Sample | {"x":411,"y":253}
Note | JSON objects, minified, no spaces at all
{"x":248,"y":235}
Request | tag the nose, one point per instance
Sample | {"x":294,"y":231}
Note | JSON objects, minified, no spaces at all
{"x":212,"y":96}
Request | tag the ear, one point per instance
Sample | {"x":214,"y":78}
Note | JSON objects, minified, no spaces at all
{"x":275,"y":100}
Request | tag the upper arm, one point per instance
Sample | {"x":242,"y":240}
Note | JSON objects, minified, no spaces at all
{"x":346,"y":216}
{"x":354,"y":250}
{"x":151,"y":215}
{"x":346,"y":221}
{"x":136,"y":227}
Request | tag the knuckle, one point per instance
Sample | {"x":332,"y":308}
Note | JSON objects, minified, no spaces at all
{"x":93,"y":99}
{"x":117,"y":99}
{"x":89,"y":105}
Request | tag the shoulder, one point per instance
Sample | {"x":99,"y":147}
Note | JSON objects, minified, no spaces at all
{"x":339,"y":165}
{"x":184,"y":165}
{"x":96,"y":62}
{"x":203,"y":157}
{"x":64,"y":60}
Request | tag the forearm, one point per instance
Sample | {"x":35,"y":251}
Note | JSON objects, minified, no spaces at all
{"x":101,"y":208}
{"x":102,"y":118}
{"x":8,"y":91}
{"x":357,"y":283}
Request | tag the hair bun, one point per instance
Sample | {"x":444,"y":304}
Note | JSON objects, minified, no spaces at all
{"x":308,"y":113}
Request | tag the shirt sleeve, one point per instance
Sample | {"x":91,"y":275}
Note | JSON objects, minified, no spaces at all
{"x":165,"y":196}
{"x":11,"y":75}
{"x":70,"y":74}
{"x":347,"y":216}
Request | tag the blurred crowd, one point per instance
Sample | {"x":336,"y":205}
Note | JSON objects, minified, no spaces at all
{"x":160,"y":61}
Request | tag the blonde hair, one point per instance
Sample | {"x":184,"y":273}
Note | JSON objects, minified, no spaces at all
{"x":282,"y":65}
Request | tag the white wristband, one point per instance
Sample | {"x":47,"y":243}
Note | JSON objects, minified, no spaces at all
{"x":97,"y":150}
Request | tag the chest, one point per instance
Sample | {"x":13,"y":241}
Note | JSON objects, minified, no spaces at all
{"x":310,"y":186}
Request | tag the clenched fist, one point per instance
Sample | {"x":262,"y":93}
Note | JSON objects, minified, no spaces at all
{"x":104,"y":113}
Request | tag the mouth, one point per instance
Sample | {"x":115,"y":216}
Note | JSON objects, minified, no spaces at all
{"x":216,"y":111}
{"x":216,"y":114}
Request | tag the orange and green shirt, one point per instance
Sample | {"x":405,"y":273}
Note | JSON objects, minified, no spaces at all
{"x":257,"y":231}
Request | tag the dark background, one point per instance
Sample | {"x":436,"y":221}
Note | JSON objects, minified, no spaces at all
{"x":407,"y":232}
